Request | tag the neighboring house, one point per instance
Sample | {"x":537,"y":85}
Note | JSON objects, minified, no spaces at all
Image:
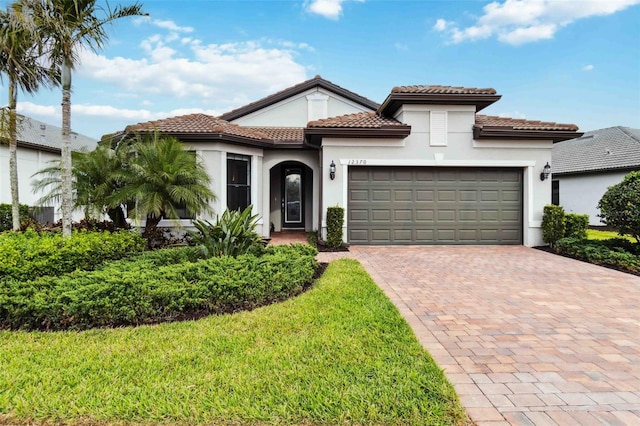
{"x":423,"y":167}
{"x":38,"y":144}
{"x":583,"y":168}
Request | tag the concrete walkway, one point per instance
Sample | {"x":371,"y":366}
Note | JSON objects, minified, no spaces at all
{"x":526,"y":337}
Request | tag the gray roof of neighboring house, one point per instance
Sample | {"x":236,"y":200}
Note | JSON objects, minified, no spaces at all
{"x":47,"y":137}
{"x":613,"y":148}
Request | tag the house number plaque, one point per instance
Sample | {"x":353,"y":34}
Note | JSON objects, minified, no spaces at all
{"x":357,"y":162}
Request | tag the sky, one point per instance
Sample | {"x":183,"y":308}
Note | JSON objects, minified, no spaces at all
{"x":567,"y":61}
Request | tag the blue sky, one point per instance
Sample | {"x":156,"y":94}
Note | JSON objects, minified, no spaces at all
{"x":574,"y":61}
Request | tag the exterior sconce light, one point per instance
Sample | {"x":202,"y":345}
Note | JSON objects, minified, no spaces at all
{"x":332,"y":170}
{"x":546,"y":171}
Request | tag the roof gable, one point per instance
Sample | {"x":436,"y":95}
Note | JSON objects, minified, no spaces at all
{"x":612,"y":148}
{"x":437,"y":95}
{"x":317,"y":81}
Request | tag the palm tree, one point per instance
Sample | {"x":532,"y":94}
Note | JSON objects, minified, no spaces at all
{"x":20,"y":51}
{"x":71,"y":25}
{"x":96,"y":178}
{"x":163,"y":177}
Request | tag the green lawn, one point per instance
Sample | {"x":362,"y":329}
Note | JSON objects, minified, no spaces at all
{"x":594,"y":234}
{"x":340,"y":353}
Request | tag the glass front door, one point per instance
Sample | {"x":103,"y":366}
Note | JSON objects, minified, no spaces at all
{"x":293,"y":207}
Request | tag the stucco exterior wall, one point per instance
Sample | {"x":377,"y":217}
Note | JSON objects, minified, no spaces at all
{"x":581,"y":193}
{"x":30,"y":161}
{"x":295,"y":111}
{"x":461,"y":151}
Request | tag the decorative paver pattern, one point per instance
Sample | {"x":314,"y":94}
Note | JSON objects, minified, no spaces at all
{"x":526,"y":337}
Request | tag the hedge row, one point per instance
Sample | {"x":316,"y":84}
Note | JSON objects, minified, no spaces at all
{"x":28,"y":255}
{"x":6,"y":216}
{"x":154,"y":288}
{"x":616,"y":252}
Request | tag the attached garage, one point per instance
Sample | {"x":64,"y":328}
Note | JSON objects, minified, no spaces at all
{"x":434,"y":205}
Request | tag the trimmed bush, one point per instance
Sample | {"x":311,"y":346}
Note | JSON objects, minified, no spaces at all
{"x":335,"y":221}
{"x":601,"y":252}
{"x":620,"y":206}
{"x":6,"y":218}
{"x":553,"y":224}
{"x":29,"y":255}
{"x":150,"y":288}
{"x":576,"y":225}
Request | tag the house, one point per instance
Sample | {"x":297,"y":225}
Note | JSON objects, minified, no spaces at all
{"x":584,"y":167}
{"x":38,"y":144}
{"x":423,"y":167}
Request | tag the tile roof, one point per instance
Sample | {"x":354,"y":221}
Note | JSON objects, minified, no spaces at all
{"x":604,"y":149}
{"x":197,"y":123}
{"x":35,"y":133}
{"x":288,"y":134}
{"x":363,"y":120}
{"x":484,"y":121}
{"x":448,"y":90}
{"x":294,"y":90}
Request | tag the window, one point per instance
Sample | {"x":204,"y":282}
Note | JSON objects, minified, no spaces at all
{"x":238,"y":181}
{"x":555,"y":192}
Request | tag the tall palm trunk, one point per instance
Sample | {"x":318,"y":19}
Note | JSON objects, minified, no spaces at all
{"x":65,"y":161}
{"x":13,"y":154}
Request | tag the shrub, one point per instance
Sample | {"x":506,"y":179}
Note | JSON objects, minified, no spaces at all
{"x":233,"y":234}
{"x":150,"y":288}
{"x":620,"y":206}
{"x":576,"y":225}
{"x":6,"y":217}
{"x":553,"y":224}
{"x":601,"y":252}
{"x":335,"y":220}
{"x":29,"y":255}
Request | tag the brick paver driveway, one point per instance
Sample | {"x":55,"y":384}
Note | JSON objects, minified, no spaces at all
{"x":525,"y":336}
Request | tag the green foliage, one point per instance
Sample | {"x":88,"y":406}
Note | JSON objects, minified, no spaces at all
{"x":553,"y":224}
{"x":620,"y":206}
{"x":6,"y":223}
{"x":233,"y":234}
{"x":152,"y":288}
{"x":339,"y":354}
{"x":163,"y":177}
{"x":335,"y":221}
{"x":576,"y":225}
{"x":312,"y":238}
{"x":618,"y":252}
{"x":29,"y":255}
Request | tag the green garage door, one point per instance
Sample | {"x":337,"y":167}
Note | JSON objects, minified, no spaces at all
{"x":434,"y":205}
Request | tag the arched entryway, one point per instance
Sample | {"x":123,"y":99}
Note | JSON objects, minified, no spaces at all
{"x":291,"y":196}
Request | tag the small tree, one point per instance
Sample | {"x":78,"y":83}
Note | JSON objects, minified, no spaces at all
{"x":620,"y":206}
{"x":553,"y":224}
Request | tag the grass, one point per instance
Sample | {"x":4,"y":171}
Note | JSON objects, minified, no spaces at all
{"x":338,"y":354}
{"x":594,"y":234}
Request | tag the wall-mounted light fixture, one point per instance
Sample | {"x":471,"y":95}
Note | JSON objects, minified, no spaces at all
{"x":546,"y":171}
{"x":332,"y":170}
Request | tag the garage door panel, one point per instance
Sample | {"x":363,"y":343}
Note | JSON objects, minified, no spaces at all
{"x":431,"y":205}
{"x":383,"y":215}
{"x":403,"y":195}
{"x":403,"y":216}
{"x":359,"y":215}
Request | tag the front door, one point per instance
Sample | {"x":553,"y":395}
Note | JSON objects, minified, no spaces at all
{"x":292,"y":202}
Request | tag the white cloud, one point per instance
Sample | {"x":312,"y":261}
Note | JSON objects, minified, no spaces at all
{"x":166,"y":24}
{"x":29,"y":108}
{"x":440,"y":25}
{"x":331,"y":9}
{"x":523,"y":21}
{"x":228,"y":74}
{"x":587,"y":67}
